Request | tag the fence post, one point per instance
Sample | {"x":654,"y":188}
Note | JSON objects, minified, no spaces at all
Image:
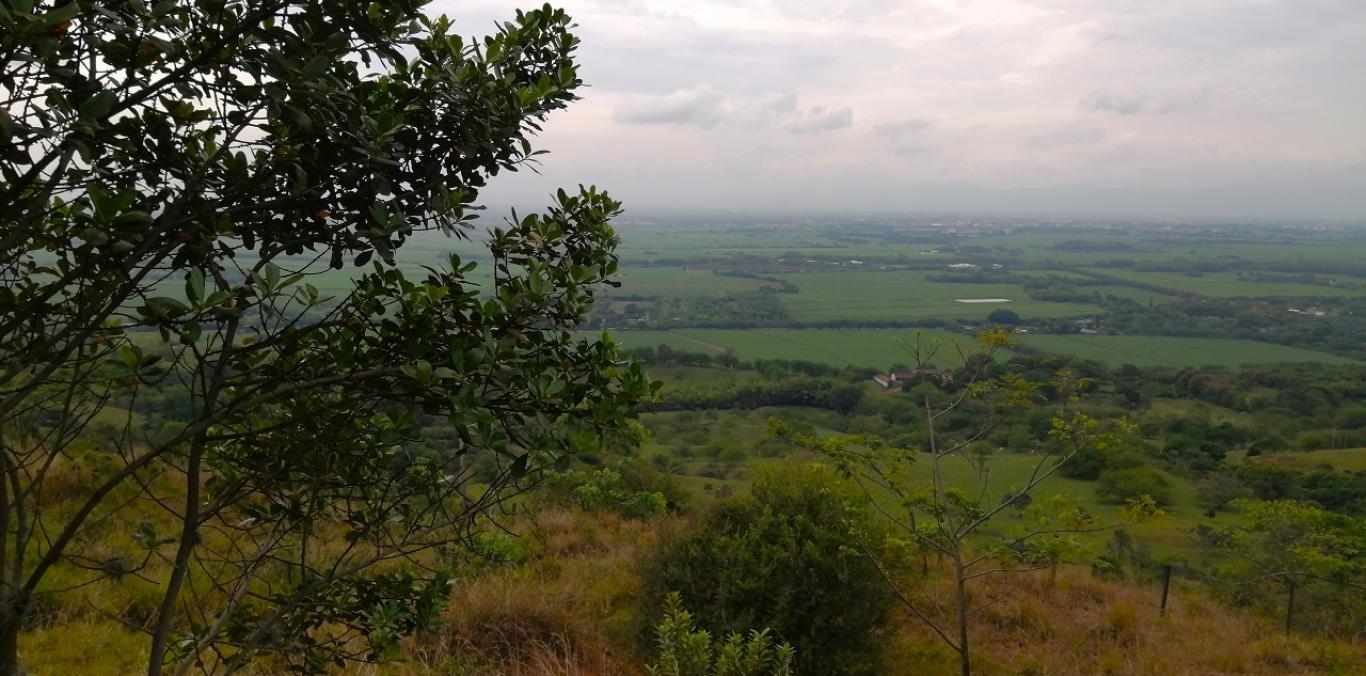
{"x":1166,"y":586}
{"x":1290,"y":607}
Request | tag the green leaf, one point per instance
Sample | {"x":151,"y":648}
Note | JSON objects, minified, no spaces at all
{"x":96,"y":106}
{"x":93,"y":236}
{"x":194,"y":285}
{"x":164,"y":307}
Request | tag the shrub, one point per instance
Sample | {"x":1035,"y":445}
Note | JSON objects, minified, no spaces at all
{"x":783,"y":556}
{"x":1123,"y":485}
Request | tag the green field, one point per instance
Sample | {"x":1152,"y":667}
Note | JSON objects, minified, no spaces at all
{"x":1170,"y":351}
{"x":1344,"y":459}
{"x":679,"y":281}
{"x":1225,"y":284}
{"x":905,"y":295}
{"x":640,"y":339}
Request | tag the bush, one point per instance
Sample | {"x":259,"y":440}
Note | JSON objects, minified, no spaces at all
{"x":1122,"y":485}
{"x":784,"y":557}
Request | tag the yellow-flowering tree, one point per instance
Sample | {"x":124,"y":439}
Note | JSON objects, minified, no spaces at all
{"x":949,"y":520}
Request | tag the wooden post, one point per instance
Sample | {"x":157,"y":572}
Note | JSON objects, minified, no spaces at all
{"x":1290,"y":607}
{"x":1166,"y":586}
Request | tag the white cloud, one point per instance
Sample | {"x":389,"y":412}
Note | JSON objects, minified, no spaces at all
{"x":1147,"y":95}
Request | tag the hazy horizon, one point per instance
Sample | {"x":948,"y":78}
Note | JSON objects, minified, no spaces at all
{"x":1195,"y":109}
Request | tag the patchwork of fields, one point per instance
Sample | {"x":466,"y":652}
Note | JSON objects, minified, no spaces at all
{"x":849,"y":291}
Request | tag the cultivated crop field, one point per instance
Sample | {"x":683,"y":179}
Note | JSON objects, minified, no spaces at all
{"x":902,"y":295}
{"x":679,"y":281}
{"x":1226,"y":284}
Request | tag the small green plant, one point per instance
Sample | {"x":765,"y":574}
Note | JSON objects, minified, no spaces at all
{"x":606,"y":490}
{"x":685,"y":650}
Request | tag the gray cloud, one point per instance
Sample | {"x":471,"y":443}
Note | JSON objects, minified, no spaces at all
{"x":1106,"y":101}
{"x":821,"y":119}
{"x":705,"y":107}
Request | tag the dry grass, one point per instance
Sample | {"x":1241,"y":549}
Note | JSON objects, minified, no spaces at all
{"x":1084,"y":625}
{"x":567,"y":610}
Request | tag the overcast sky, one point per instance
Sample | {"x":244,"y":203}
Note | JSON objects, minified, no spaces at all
{"x":1211,"y":108}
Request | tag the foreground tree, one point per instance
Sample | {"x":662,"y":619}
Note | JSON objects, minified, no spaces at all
{"x":172,"y":176}
{"x":1292,"y":558}
{"x":963,"y":523}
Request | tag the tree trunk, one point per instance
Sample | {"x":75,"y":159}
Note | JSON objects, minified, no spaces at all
{"x":189,"y":537}
{"x":962,"y":595}
{"x":10,"y":621}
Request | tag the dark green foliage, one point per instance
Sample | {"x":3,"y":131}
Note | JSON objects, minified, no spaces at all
{"x":800,"y":390}
{"x":1217,"y":490}
{"x":1284,"y":544}
{"x":1006,"y":317}
{"x":1122,"y":485}
{"x":1324,"y":487}
{"x":1087,"y":464}
{"x":783,"y":556}
{"x":172,"y":176}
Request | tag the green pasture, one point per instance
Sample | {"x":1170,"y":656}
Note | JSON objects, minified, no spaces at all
{"x":1225,"y":284}
{"x":903,"y":295}
{"x":1343,"y":459}
{"x":1264,"y":248}
{"x":647,"y":338}
{"x":679,"y":281}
